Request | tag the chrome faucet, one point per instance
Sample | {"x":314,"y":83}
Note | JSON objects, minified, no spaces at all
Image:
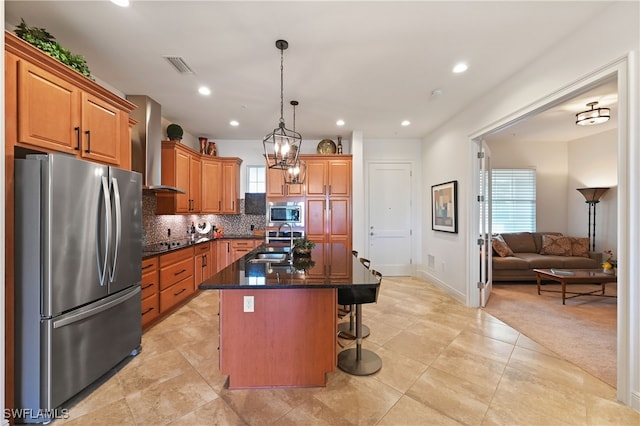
{"x":290,"y":236}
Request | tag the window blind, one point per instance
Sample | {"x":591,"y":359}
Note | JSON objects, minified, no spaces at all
{"x":513,"y":200}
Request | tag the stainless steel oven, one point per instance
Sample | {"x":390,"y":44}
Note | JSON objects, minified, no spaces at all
{"x":285,"y":212}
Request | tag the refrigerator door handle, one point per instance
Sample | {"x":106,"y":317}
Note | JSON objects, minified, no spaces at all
{"x":94,"y":311}
{"x":118,"y":226}
{"x":102,"y":269}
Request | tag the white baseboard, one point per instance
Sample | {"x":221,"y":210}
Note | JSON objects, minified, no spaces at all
{"x":460,"y":297}
{"x":635,"y":401}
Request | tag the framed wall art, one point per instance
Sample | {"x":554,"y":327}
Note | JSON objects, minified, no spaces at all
{"x":444,"y":207}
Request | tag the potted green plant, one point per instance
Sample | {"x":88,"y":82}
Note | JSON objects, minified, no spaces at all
{"x":174,"y":132}
{"x":303,"y":247}
{"x":303,"y":263}
{"x":45,"y":41}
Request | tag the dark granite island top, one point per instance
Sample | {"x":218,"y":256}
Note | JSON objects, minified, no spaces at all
{"x":278,"y":321}
{"x":303,"y":272}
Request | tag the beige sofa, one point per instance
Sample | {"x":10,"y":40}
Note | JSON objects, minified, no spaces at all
{"x":527,"y":248}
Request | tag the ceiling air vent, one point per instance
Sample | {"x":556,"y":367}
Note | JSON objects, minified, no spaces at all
{"x":179,"y":64}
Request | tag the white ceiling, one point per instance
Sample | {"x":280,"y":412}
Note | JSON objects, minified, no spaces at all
{"x":372,"y":64}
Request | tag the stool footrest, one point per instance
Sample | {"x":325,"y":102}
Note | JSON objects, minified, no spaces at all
{"x":345,"y":331}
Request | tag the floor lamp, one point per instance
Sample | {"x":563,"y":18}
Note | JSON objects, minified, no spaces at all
{"x":592,"y":195}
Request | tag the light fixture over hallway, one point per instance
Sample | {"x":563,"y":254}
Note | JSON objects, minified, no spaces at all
{"x":282,"y":146}
{"x":593,"y":115}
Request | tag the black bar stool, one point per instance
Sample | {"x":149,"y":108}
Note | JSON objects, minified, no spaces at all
{"x":359,"y":361}
{"x":347,"y":330}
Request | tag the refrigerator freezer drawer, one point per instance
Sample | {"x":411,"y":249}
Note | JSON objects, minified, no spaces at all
{"x":83,"y":346}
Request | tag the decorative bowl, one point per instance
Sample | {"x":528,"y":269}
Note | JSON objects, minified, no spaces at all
{"x":326,"y":146}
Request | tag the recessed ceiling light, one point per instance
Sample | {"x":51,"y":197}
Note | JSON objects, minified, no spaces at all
{"x":459,"y":68}
{"x":405,"y":122}
{"x":340,"y":123}
{"x":234,"y":123}
{"x":121,"y":3}
{"x":203,"y":90}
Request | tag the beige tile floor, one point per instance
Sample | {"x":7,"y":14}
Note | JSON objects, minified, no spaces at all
{"x":443,"y":363}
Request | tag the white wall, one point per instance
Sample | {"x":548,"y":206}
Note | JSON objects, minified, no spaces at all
{"x":550,"y":159}
{"x":593,"y":163}
{"x":447,"y":155}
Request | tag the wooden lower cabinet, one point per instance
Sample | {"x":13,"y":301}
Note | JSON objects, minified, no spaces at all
{"x":203,"y":265}
{"x":150,"y":291}
{"x":241,"y":247}
{"x":224,"y":254}
{"x":230,"y":250}
{"x":176,"y":277}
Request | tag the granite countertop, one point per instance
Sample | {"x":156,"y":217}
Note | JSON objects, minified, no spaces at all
{"x":172,"y":245}
{"x":303,"y":273}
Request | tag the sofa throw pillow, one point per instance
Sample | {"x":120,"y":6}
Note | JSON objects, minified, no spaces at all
{"x":501,"y":247}
{"x":556,"y":245}
{"x":580,"y":246}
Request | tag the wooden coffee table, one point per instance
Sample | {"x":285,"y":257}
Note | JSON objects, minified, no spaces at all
{"x":576,"y":276}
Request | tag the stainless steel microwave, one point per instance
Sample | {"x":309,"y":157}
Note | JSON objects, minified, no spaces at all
{"x":285,"y":212}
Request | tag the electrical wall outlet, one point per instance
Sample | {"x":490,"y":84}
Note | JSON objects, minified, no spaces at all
{"x":248,"y":303}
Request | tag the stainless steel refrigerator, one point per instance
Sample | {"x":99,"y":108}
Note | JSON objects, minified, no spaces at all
{"x":78,"y":273}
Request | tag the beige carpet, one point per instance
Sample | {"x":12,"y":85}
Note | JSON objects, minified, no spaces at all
{"x":583,"y":331}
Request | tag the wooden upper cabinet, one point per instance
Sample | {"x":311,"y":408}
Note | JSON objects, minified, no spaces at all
{"x":60,"y":110}
{"x":327,"y":176}
{"x":211,"y":188}
{"x":339,"y":177}
{"x":195,"y":183}
{"x":180,"y":168}
{"x":231,"y":185}
{"x":275,"y":183}
{"x":49,"y":110}
{"x":101,"y":130}
{"x":212,"y":183}
{"x":316,"y":179}
{"x":277,"y":188}
{"x":221,"y":185}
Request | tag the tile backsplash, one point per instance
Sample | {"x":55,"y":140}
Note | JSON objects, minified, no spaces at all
{"x":156,"y":226}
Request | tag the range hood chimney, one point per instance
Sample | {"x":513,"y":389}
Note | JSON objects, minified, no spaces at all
{"x":146,"y":144}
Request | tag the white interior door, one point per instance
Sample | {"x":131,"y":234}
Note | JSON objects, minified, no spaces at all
{"x":390,"y":236}
{"x":484,"y":239}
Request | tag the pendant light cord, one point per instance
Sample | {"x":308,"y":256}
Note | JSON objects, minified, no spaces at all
{"x":282,"y":87}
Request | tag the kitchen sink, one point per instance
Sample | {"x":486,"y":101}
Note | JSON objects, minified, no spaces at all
{"x":269,"y":257}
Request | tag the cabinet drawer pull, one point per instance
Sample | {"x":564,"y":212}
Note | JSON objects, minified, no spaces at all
{"x":181,"y":291}
{"x":179,"y":272}
{"x":88,"y":133}
{"x":77,"y":130}
{"x":147,"y":311}
{"x":148,"y":266}
{"x":147,"y":286}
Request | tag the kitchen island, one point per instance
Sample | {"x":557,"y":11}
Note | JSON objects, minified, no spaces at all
{"x":278,"y":321}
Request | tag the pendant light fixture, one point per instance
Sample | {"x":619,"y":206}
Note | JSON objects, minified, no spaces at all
{"x":593,"y":115}
{"x":282,"y":146}
{"x":295,"y":174}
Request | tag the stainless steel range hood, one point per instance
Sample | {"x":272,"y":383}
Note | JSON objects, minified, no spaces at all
{"x":146,"y":144}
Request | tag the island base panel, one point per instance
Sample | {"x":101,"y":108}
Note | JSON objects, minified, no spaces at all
{"x":288,"y":341}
